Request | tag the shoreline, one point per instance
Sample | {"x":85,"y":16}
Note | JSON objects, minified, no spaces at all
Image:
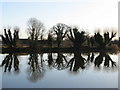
{"x":55,"y":50}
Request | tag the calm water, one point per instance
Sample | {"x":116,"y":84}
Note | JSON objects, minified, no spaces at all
{"x":59,"y":70}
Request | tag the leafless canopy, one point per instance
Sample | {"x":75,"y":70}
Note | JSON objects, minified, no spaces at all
{"x":60,"y":31}
{"x":35,"y":29}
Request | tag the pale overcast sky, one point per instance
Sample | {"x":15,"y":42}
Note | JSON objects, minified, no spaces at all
{"x":87,"y":14}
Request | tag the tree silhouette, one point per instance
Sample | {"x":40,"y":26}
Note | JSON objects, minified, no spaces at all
{"x":103,"y":40}
{"x":77,"y":37}
{"x":50,"y":39}
{"x":88,"y":41}
{"x":35,"y":29}
{"x":8,"y":39}
{"x":92,"y":41}
{"x":60,"y":31}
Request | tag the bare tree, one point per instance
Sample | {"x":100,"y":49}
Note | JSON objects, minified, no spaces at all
{"x":9,"y":39}
{"x":50,"y":39}
{"x":76,"y":37}
{"x":103,"y":41}
{"x":61,"y":31}
{"x":35,"y":29}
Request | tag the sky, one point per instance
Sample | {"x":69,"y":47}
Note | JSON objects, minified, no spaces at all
{"x":86,"y":14}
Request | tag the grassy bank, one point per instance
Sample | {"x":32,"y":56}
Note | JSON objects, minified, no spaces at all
{"x":111,"y":49}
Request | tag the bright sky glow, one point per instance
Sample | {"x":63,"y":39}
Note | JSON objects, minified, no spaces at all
{"x":87,"y":14}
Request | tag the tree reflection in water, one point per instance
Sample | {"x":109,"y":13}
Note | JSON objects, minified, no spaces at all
{"x":92,"y":57}
{"x":10,"y":61}
{"x":89,"y":60}
{"x":36,"y":68}
{"x":59,"y":63}
{"x":77,"y":62}
{"x":106,"y":58}
{"x":50,"y":60}
{"x":36,"y":63}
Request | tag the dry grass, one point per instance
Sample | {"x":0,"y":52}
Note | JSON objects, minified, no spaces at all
{"x":114,"y":48}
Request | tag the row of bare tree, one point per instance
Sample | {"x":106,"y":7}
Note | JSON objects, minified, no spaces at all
{"x":58,"y":32}
{"x":61,"y":31}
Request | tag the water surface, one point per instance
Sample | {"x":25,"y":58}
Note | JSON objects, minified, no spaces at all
{"x":59,"y":70}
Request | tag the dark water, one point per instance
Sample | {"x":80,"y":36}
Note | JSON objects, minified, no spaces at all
{"x":59,"y":70}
